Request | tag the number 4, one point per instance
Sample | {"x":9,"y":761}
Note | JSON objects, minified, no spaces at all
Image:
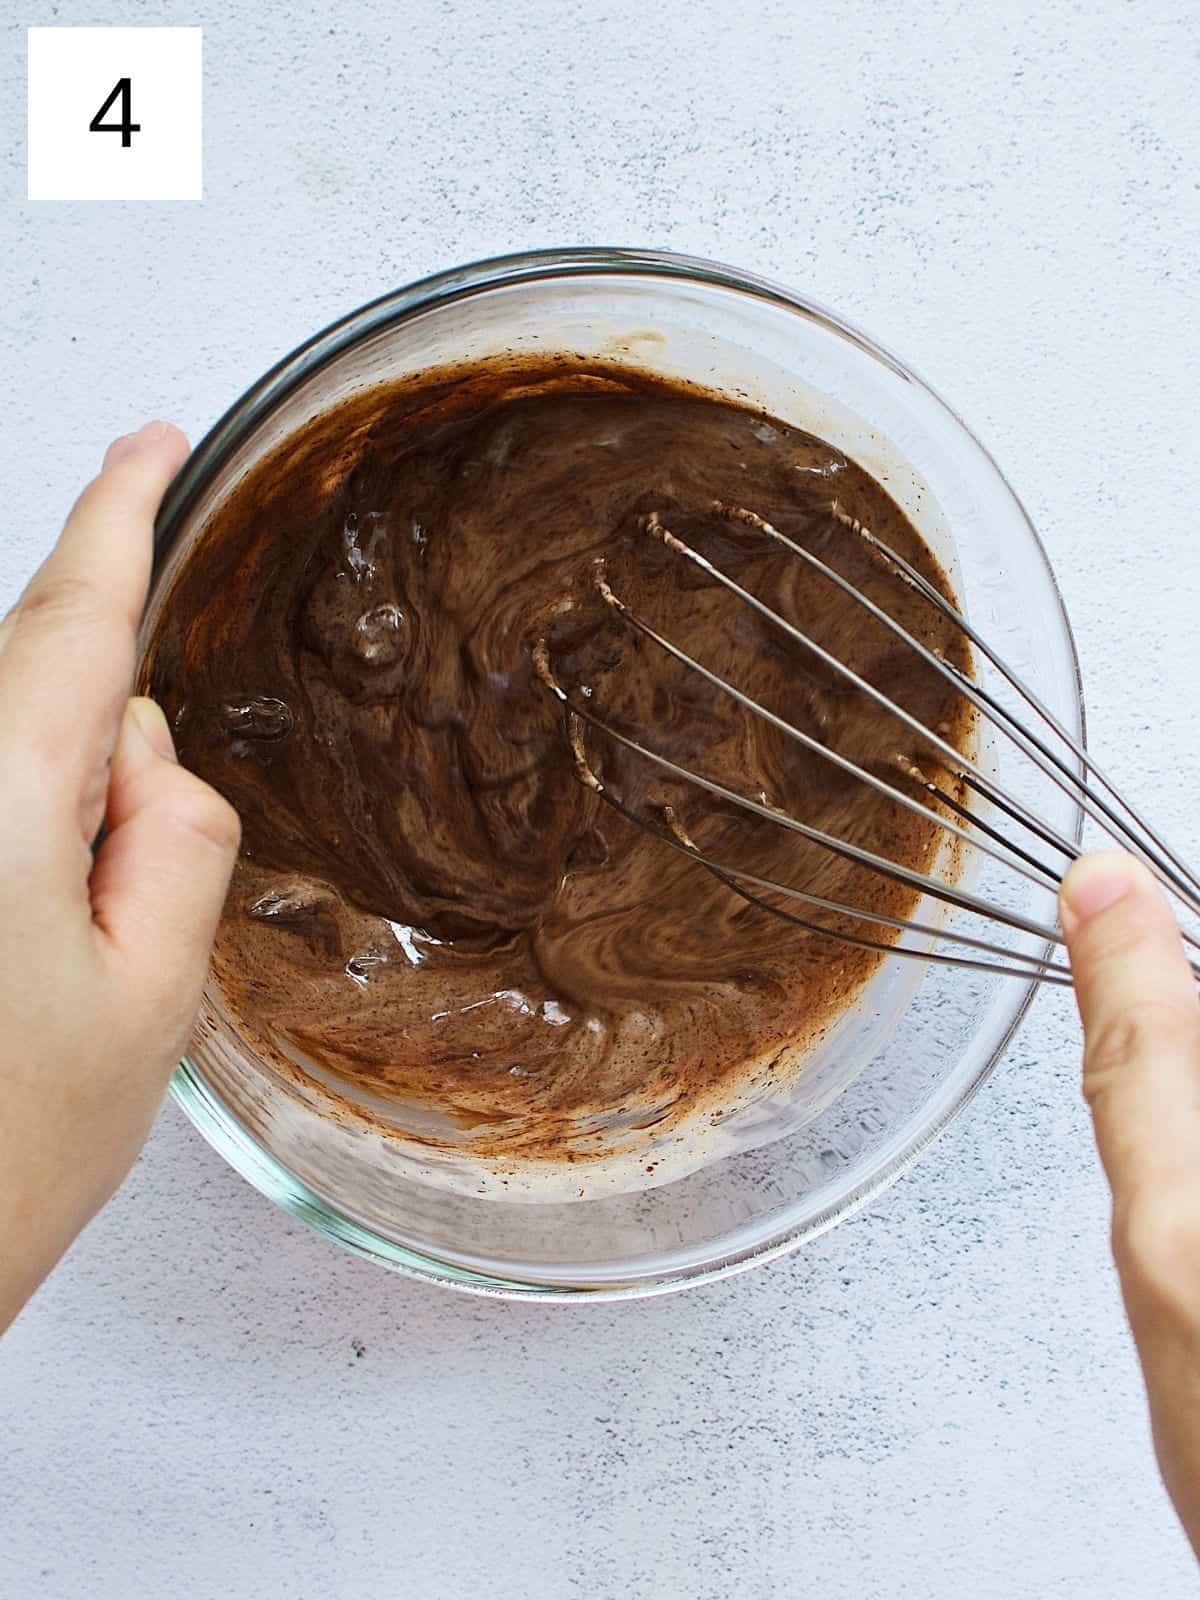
{"x":126,"y":127}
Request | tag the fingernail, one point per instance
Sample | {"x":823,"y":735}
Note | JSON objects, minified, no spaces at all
{"x":1094,"y":883}
{"x":148,"y":434}
{"x":147,"y":717}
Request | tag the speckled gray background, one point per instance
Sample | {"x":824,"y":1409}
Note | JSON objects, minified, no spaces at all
{"x":938,"y":1400}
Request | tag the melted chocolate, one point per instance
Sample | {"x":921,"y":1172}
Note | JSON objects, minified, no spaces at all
{"x":431,"y":912}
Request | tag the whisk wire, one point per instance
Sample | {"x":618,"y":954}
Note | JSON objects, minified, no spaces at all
{"x":1070,"y":776}
{"x":954,"y":757}
{"x":1182,"y":878}
{"x":674,"y":835}
{"x":963,"y":899}
{"x":1031,"y":869}
{"x":1048,"y":762}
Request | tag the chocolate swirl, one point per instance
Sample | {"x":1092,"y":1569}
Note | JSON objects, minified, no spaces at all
{"x":431,"y":909}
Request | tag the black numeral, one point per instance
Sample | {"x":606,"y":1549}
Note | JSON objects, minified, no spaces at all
{"x":126,"y":127}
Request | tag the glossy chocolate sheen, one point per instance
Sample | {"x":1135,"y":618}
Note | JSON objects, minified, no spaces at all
{"x":432,"y":913}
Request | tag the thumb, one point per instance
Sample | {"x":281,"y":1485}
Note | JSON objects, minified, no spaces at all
{"x":160,"y":877}
{"x":1141,"y":1022}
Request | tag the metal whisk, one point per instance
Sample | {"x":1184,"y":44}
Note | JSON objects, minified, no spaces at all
{"x":1020,"y":841}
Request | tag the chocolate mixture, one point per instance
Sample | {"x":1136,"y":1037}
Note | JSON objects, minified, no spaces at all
{"x":431,"y":912}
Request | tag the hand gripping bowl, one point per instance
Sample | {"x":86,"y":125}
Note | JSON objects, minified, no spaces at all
{"x":918,"y":1042}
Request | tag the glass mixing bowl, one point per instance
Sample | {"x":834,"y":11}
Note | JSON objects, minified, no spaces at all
{"x":919,"y":1040}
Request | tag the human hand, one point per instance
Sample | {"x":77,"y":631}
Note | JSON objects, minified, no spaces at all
{"x":102,"y":958}
{"x":1141,"y":1075}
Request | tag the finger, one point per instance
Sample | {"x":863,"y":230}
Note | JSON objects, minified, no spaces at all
{"x":161,"y":875}
{"x":96,"y":547}
{"x":68,"y":650}
{"x":1141,"y":1019}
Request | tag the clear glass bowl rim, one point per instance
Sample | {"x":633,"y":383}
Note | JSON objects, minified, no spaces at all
{"x":231,"y":1140}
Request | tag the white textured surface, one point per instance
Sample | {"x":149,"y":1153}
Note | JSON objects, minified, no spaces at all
{"x":936,"y":1400}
